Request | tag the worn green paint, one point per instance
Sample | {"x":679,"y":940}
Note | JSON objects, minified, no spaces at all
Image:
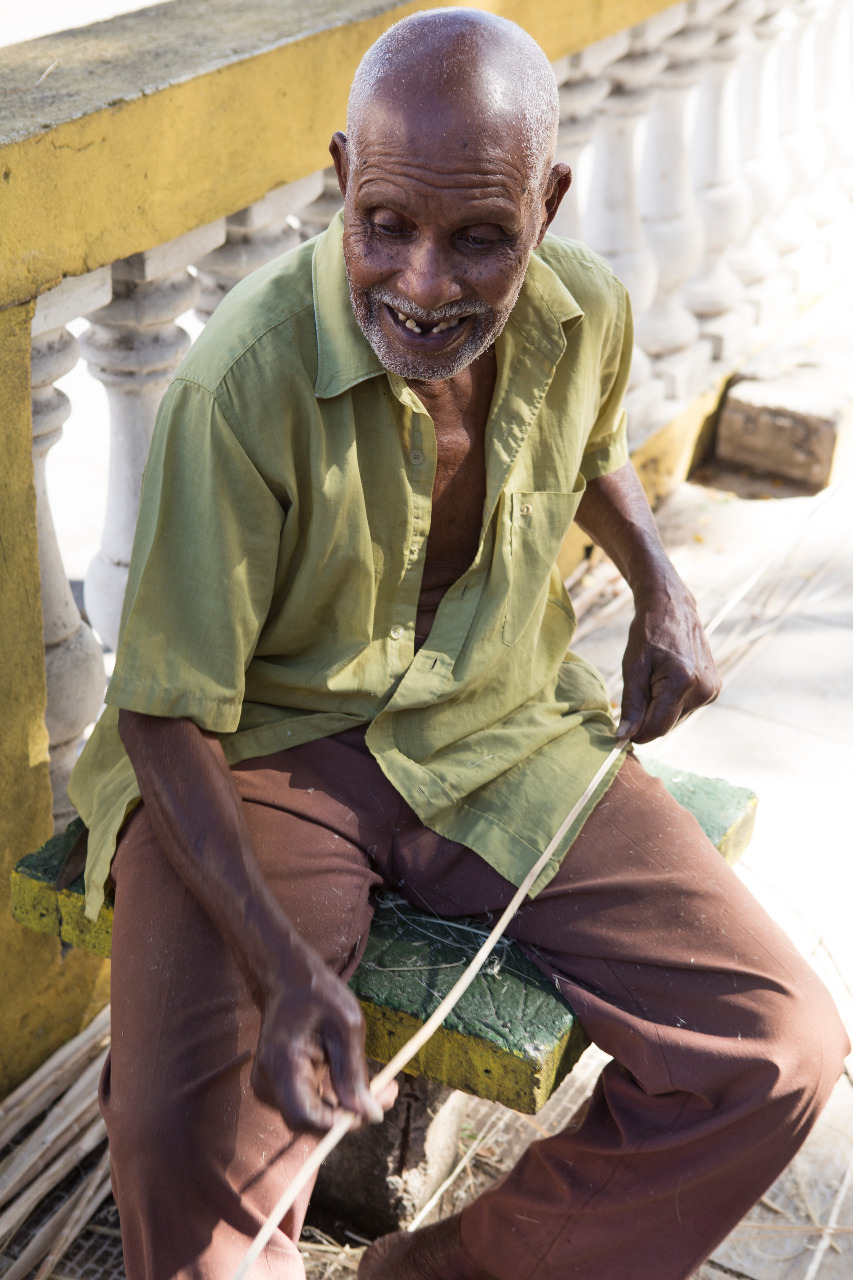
{"x":511,"y":1038}
{"x":724,"y":812}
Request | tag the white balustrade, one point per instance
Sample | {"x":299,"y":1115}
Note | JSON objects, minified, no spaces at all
{"x":756,"y":259}
{"x":254,"y":236}
{"x":795,"y":231}
{"x":835,"y":91}
{"x":74,"y":661}
{"x":716,"y":293}
{"x":583,"y":88}
{"x":315,"y":217}
{"x":612,"y":224}
{"x":668,"y":331}
{"x":133,"y":347}
{"x":834,"y":113}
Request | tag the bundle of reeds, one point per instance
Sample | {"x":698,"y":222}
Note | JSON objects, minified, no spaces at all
{"x":64,"y":1091}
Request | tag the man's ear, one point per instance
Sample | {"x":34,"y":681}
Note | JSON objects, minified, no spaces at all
{"x":559,"y":181}
{"x":338,"y":152}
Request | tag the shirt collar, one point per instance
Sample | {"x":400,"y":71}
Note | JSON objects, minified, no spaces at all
{"x":345,"y":357}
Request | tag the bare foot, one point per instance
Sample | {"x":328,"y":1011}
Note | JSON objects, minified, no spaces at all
{"x":433,"y":1253}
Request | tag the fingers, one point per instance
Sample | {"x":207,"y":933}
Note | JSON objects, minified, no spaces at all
{"x":675,"y":693}
{"x":664,"y":711}
{"x":303,"y":1105}
{"x":348,"y":1068}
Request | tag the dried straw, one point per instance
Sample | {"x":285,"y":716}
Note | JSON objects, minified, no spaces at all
{"x":62,"y":1124}
{"x":53,"y":1077}
{"x":41,"y":1242}
{"x":88,"y":1200}
{"x":20,"y":1209}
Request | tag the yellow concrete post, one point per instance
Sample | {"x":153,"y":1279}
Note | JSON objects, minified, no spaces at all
{"x":47,"y":997}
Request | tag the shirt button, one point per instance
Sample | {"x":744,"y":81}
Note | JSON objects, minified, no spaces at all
{"x":417,"y":457}
{"x":396,"y":632}
{"x":525,"y":508}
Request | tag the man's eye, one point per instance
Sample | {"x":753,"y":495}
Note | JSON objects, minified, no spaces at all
{"x":478,"y":241}
{"x":388,"y":228}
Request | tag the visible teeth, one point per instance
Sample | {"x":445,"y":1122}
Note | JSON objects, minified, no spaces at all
{"x":410,"y":324}
{"x":447,"y":324}
{"x":401,"y":316}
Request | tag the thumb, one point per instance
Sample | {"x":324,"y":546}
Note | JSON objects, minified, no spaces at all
{"x":635,"y":704}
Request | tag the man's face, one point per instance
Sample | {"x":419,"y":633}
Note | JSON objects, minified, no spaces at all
{"x":439,"y":224}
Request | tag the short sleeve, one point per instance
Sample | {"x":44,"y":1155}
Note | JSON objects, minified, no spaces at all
{"x":607,"y":446}
{"x":202,"y":570}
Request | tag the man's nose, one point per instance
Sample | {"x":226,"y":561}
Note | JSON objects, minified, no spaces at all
{"x":428,"y":277}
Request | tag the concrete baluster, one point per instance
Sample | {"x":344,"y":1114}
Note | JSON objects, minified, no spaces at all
{"x":834,"y":101}
{"x":756,"y":259}
{"x":807,"y":141}
{"x":836,"y":105}
{"x":835,"y":90}
{"x":795,"y":231}
{"x":583,"y":88}
{"x":612,"y":224}
{"x":134,"y":348}
{"x":317,"y":215}
{"x":716,"y":293}
{"x":74,"y":660}
{"x":254,"y":236}
{"x":668,"y":331}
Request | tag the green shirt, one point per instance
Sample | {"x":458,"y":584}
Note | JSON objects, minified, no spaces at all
{"x":280,"y":546}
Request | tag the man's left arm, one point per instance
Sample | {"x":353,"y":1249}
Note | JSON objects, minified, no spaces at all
{"x":668,"y":670}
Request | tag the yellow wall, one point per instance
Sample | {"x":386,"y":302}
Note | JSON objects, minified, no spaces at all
{"x":45,"y":997}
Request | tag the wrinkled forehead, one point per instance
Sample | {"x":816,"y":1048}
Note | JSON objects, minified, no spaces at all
{"x":459,"y":134}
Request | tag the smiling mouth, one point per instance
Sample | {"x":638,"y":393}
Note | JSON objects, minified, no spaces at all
{"x":418,"y":327}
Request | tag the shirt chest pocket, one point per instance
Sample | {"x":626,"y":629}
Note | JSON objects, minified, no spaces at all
{"x":539,"y":521}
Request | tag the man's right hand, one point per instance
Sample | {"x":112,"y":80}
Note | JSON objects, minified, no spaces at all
{"x":310,"y":1056}
{"x":310,"y":1059}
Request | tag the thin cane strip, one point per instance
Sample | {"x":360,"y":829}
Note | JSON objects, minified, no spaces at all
{"x":486,"y":1135}
{"x":404,"y":1056}
{"x":303,"y":1177}
{"x":831,"y":1226}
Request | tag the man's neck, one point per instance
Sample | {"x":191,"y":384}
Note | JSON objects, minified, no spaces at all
{"x":455,"y":397}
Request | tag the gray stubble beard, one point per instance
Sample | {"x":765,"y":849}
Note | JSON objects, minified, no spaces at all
{"x":488,"y":325}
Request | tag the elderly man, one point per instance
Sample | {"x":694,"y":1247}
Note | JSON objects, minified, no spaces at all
{"x":344,"y":663}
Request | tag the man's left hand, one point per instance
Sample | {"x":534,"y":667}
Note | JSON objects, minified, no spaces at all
{"x":667,"y":670}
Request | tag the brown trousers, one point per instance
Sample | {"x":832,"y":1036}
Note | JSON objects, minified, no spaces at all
{"x":725,"y":1044}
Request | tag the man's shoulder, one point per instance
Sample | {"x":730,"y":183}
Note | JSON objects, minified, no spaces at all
{"x":588,"y":277}
{"x":266,"y":322}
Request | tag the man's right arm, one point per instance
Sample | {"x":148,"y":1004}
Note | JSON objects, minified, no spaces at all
{"x":309,"y":1017}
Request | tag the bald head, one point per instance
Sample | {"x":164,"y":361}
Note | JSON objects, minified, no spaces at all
{"x":470,"y":66}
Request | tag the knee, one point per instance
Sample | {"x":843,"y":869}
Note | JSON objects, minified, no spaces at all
{"x":797,"y":1053}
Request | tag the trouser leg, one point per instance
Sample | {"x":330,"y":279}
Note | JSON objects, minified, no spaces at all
{"x":198,"y":1162}
{"x":725,"y":1046}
